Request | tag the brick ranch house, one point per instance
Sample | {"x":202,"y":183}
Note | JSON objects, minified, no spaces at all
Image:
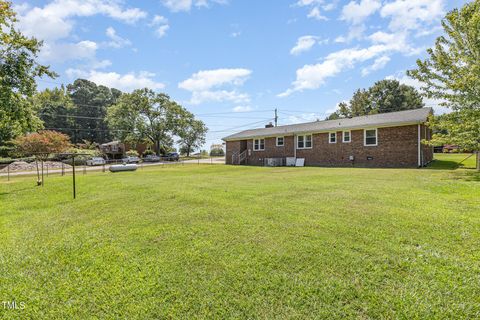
{"x":381,"y":140}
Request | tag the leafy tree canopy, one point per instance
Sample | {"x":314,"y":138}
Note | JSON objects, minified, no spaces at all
{"x":18,"y":70}
{"x":192,"y":134}
{"x":146,"y":116}
{"x":42,"y":144}
{"x":451,"y":73}
{"x":384,"y":96}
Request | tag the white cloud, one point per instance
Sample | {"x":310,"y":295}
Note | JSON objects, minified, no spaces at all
{"x":207,"y":79}
{"x":161,"y":26}
{"x":314,"y":75}
{"x":306,"y":117}
{"x":115,"y":40}
{"x":356,"y":12}
{"x":378,"y":64}
{"x":405,"y":19}
{"x":55,"y":21}
{"x":125,"y":82}
{"x":355,"y":33}
{"x":242,"y":109}
{"x":303,"y":3}
{"x":316,"y":14}
{"x":186,"y":5}
{"x":162,"y":30}
{"x":409,"y":15}
{"x":199,"y":97}
{"x":315,"y":5}
{"x":304,"y":44}
{"x":68,"y":51}
{"x":205,"y":85}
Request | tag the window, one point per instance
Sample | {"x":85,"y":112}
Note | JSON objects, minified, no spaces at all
{"x":258,"y":144}
{"x":332,"y":137}
{"x":280,"y":141}
{"x":346,"y":136}
{"x":370,"y":136}
{"x":304,"y":142}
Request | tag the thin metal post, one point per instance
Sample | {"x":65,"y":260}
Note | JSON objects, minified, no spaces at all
{"x":74,"y":191}
{"x":8,"y":172}
{"x":63,"y":168}
{"x":42,"y":173}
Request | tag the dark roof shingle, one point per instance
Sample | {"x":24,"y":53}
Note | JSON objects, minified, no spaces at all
{"x":376,"y":120}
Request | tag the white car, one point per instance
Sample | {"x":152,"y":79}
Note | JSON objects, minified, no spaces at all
{"x":131,"y":159}
{"x":96,"y":161}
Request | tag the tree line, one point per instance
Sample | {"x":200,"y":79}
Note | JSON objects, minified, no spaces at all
{"x":94,"y":113}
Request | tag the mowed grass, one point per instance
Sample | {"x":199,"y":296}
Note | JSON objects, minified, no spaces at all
{"x":213,"y":241}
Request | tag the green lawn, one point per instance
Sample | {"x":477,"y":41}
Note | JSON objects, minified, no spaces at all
{"x":213,"y":241}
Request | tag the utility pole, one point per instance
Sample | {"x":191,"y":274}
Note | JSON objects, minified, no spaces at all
{"x":276,"y":117}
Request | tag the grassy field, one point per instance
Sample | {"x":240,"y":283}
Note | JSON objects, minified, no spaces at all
{"x":213,"y":241}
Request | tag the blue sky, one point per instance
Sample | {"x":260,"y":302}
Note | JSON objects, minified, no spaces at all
{"x":231,"y":62}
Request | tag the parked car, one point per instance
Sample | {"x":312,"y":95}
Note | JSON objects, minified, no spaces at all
{"x":96,"y":161}
{"x":131,"y":159}
{"x":172,"y":156}
{"x":151,"y":158}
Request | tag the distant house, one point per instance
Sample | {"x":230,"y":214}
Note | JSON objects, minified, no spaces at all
{"x":382,"y":140}
{"x":117,"y":149}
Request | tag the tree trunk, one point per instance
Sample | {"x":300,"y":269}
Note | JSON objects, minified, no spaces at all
{"x":188,"y":151}
{"x":157,"y":144}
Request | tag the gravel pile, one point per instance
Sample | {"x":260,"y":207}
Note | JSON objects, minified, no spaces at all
{"x":25,"y":166}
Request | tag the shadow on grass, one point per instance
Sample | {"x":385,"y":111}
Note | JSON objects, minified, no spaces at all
{"x":467,"y":175}
{"x":452,"y":162}
{"x":443,"y":165}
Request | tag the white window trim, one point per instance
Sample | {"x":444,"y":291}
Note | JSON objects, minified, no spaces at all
{"x":365,"y":138}
{"x":349,"y":135}
{"x":259,"y":144}
{"x":276,"y":142}
{"x":304,"y":140}
{"x":329,"y":137}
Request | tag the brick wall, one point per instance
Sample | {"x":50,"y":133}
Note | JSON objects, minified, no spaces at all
{"x":232,"y":146}
{"x":397,"y":147}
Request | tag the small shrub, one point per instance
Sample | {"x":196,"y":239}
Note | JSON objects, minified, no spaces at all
{"x":148,"y":152}
{"x":132,"y":153}
{"x":217,"y":152}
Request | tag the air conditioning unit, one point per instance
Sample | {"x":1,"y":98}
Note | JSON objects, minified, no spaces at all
{"x":291,"y":161}
{"x":273,"y":162}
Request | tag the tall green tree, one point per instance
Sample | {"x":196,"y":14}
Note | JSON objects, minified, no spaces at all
{"x":146,"y":116}
{"x":384,"y":96}
{"x":54,"y":107}
{"x":451,"y":73}
{"x":91,"y":102}
{"x":192,"y":134}
{"x":18,"y":70}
